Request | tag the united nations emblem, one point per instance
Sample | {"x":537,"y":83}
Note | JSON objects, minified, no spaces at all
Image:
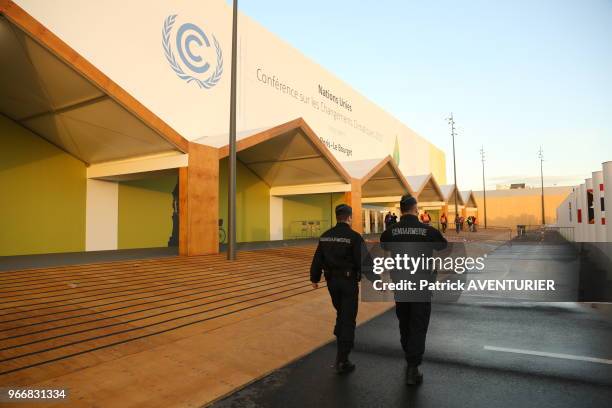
{"x":192,"y":66}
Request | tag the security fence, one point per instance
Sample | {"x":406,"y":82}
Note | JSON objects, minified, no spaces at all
{"x":308,"y":228}
{"x":544,"y":233}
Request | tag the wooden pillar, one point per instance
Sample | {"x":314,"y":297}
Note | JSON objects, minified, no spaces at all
{"x":199,"y":202}
{"x":445,"y":210}
{"x":353,"y":198}
{"x":375,"y":220}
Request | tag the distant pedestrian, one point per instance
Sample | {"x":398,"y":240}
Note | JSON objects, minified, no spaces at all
{"x":425,"y":218}
{"x":443,"y":222}
{"x":388,"y":220}
{"x":457,"y":223}
{"x":469,"y":223}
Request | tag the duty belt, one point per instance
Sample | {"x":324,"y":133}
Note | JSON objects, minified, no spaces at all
{"x":342,"y":273}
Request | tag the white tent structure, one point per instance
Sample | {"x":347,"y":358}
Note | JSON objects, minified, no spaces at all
{"x":469,"y":199}
{"x":381,"y":180}
{"x":426,"y":188}
{"x":598,"y":199}
{"x":382,"y":184}
{"x":575,"y":221}
{"x":452,"y":194}
{"x":607,"y":194}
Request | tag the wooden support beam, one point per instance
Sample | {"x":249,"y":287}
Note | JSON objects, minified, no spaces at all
{"x":353,"y":198}
{"x":199,"y":202}
{"x":445,"y":210}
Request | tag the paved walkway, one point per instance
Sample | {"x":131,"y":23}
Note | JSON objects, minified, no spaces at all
{"x":464,"y":365}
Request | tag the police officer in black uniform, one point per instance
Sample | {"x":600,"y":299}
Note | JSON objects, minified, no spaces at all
{"x":338,"y":256}
{"x":413,"y":312}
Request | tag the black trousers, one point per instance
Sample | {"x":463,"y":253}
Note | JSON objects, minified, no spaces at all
{"x":413,"y":323}
{"x":344,"y":294}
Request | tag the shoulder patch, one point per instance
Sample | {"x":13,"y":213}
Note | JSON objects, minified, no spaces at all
{"x":335,"y":239}
{"x":409,"y":231}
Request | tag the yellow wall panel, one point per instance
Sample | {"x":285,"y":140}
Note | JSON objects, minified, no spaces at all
{"x":309,"y":214}
{"x":43,"y":190}
{"x":145,"y":212}
{"x":252,"y":204}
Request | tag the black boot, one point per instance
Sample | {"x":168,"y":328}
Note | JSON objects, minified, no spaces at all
{"x":413,"y":375}
{"x":344,"y":367}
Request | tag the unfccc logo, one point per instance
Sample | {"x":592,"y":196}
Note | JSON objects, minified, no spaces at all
{"x":187,"y":38}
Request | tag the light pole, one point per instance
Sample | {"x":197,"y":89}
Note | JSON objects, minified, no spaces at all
{"x":484,"y":187}
{"x":231,"y":185}
{"x":451,"y":122}
{"x":541,"y":157}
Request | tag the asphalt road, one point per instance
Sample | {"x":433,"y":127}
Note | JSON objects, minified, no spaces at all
{"x":459,"y":371}
{"x":481,"y":352}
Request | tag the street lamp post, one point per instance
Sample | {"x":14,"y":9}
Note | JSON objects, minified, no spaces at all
{"x":484,"y":187}
{"x":541,"y":157}
{"x":231,"y":185}
{"x":451,"y":121}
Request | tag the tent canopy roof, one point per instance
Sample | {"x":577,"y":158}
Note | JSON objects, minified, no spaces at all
{"x":448,"y":191}
{"x":469,"y":199}
{"x":425,"y":187}
{"x":378,"y":177}
{"x":288,"y":155}
{"x":49,"y":89}
{"x":359,"y":169}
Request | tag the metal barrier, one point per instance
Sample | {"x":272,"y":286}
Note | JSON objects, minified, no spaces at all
{"x":544,"y":233}
{"x":376,"y":229}
{"x":565,"y":232}
{"x":308,"y":228}
{"x":479,"y":233}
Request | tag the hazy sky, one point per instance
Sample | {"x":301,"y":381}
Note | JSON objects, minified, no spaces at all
{"x":516,"y":74}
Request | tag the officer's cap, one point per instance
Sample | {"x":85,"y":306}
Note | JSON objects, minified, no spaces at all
{"x":407,"y":202}
{"x":343,"y":210}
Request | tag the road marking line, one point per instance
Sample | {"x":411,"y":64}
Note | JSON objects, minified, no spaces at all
{"x":553,"y":355}
{"x":501,"y":297}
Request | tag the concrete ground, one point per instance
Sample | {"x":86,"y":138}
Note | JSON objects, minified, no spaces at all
{"x":22,"y":262}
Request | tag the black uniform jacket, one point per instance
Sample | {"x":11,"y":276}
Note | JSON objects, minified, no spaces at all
{"x":339,"y":251}
{"x":410,"y":236}
{"x":410,"y":229}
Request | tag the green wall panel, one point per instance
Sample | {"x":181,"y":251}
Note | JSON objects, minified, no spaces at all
{"x":145,"y":212}
{"x":309,"y":215}
{"x":252,"y":204}
{"x":42,"y":209}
